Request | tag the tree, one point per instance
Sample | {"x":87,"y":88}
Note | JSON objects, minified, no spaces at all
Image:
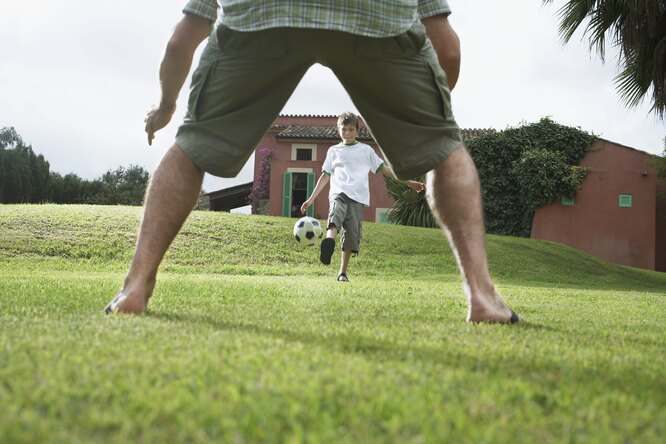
{"x":520,"y":169}
{"x":124,"y":186}
{"x":544,"y":175}
{"x":410,"y":208}
{"x":638,"y":29}
{"x":39,"y":171}
{"x":25,"y":177}
{"x":15,"y":176}
{"x":523,"y":168}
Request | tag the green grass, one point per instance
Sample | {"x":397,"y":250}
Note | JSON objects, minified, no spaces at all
{"x":250,"y":339}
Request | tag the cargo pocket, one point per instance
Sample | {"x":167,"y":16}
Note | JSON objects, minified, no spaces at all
{"x":200,"y":79}
{"x":440,"y":82}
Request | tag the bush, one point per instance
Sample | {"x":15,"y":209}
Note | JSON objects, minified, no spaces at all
{"x":520,"y":169}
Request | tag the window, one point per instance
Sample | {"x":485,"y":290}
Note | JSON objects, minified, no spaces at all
{"x":625,"y":200}
{"x":299,"y":192}
{"x":296,"y":187}
{"x":304,"y":151}
{"x":303,"y":154}
{"x":381,"y":215}
{"x":568,"y":201}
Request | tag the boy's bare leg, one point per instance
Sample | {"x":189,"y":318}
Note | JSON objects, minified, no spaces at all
{"x":332,"y":232}
{"x":172,"y":193}
{"x":454,"y":196}
{"x":346,"y":254}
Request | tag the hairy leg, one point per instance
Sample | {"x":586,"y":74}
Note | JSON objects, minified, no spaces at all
{"x":454,"y":196}
{"x":171,"y":195}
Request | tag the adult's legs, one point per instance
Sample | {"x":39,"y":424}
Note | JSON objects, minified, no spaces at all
{"x":172,"y":193}
{"x":454,"y":196}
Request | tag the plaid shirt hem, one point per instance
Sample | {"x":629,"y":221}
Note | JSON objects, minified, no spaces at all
{"x":373,"y":19}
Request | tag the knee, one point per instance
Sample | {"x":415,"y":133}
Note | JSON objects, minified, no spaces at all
{"x":458,"y":166}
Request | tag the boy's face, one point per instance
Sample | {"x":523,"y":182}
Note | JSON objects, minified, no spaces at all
{"x":348,"y":133}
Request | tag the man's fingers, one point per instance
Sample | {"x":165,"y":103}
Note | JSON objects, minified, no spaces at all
{"x":149,"y":131}
{"x":155,"y":120}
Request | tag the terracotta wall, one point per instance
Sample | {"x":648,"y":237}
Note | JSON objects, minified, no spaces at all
{"x":596,"y":223}
{"x":660,"y":244}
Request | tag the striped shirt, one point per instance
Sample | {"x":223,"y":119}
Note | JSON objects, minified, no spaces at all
{"x":361,"y":17}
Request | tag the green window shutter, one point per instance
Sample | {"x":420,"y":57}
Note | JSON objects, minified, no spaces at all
{"x":311,"y":185}
{"x":286,"y":194}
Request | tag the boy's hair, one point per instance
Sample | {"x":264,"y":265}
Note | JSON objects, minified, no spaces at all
{"x":346,"y":118}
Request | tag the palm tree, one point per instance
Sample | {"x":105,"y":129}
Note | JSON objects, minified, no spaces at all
{"x":410,"y":208}
{"x":638,"y":29}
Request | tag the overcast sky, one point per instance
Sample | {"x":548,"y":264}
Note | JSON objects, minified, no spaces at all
{"x":76,"y":78}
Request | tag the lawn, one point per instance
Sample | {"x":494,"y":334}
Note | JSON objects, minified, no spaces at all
{"x":249,"y":339}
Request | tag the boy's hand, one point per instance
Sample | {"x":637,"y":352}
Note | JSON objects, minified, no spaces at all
{"x":414,"y":185}
{"x":305,"y":206}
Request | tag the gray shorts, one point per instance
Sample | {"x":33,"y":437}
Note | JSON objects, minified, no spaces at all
{"x":242,"y":84}
{"x":347,"y":216}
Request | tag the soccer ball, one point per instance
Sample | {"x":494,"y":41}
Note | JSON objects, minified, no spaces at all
{"x":307,"y":230}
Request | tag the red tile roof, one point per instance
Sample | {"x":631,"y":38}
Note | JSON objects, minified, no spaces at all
{"x":330,"y":132}
{"x":325,"y":132}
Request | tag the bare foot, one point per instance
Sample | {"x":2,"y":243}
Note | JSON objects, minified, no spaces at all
{"x":491,"y":311}
{"x":127,"y":302}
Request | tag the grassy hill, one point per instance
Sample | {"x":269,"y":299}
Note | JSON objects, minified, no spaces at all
{"x":250,"y":339}
{"x":98,"y":238}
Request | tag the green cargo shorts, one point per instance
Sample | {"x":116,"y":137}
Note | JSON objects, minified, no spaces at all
{"x":347,"y":216}
{"x":244,"y":80}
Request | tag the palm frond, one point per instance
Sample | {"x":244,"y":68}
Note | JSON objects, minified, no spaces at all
{"x":638,"y":29}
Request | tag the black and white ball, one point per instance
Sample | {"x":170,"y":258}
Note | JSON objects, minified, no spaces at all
{"x":307,"y":230}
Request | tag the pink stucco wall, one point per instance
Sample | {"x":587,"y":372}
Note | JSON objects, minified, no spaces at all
{"x":596,"y":223}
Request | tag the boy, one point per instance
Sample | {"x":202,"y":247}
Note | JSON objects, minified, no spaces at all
{"x":347,"y":166}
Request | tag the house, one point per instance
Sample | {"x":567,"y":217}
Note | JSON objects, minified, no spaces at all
{"x":619,"y":214}
{"x":225,"y":199}
{"x":298,"y":145}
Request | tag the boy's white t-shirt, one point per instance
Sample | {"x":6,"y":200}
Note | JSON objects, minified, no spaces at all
{"x":348,"y":166}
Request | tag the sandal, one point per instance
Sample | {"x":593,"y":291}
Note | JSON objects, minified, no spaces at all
{"x":326,"y":250}
{"x":342,"y":277}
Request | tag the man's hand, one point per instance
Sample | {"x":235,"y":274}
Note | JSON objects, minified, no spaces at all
{"x":156,"y":119}
{"x":190,"y":31}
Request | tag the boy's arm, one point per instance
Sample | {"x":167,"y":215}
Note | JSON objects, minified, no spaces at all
{"x":321,"y":183}
{"x":414,"y":185}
